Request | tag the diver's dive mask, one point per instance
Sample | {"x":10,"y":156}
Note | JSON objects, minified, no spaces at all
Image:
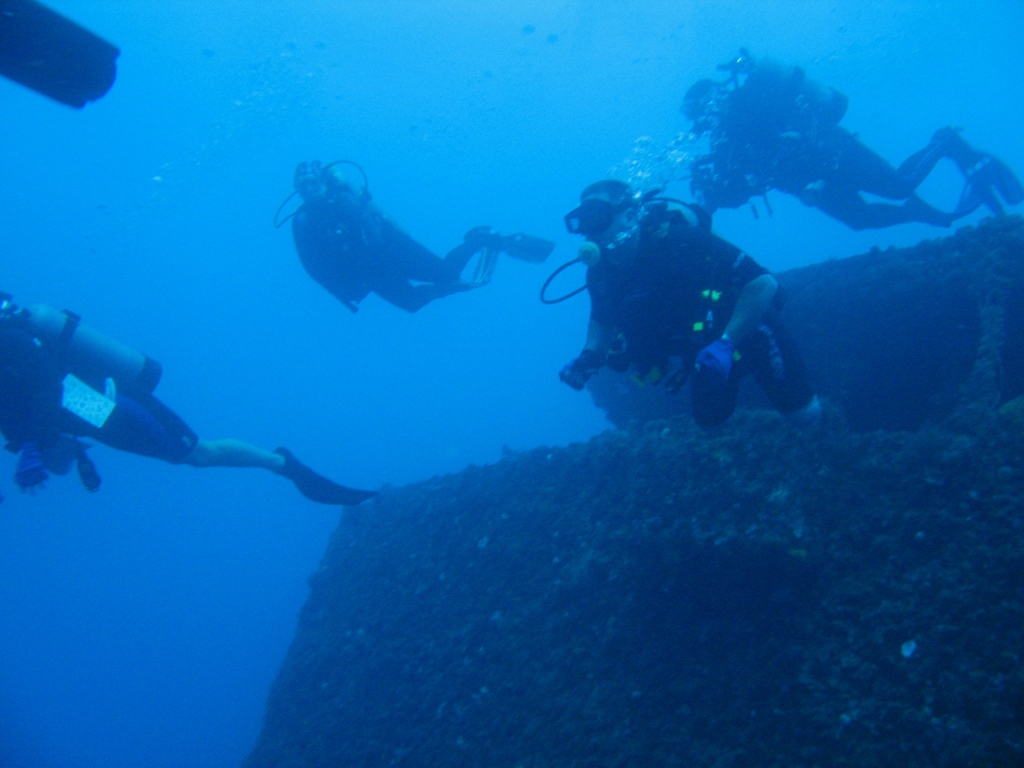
{"x":315,"y":181}
{"x":309,"y":179}
{"x":593,"y":216}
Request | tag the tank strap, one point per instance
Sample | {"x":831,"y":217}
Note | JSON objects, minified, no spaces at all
{"x":150,"y":375}
{"x":71,"y":321}
{"x":62,"y":344}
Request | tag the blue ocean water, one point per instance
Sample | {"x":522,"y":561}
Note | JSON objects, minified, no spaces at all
{"x":143,"y":625}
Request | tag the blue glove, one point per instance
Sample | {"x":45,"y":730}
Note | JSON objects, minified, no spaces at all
{"x":29,"y":473}
{"x":576,"y":373}
{"x":714,"y":362}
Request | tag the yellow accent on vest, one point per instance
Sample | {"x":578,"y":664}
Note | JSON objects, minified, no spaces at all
{"x":653,"y":376}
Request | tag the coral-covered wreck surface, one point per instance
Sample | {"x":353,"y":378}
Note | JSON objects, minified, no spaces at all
{"x":848,"y":595}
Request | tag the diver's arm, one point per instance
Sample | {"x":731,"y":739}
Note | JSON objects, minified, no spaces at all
{"x":30,"y":389}
{"x":599,"y":338}
{"x":754,"y":300}
{"x":591,"y":357}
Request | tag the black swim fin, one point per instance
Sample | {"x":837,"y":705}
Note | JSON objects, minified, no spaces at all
{"x":318,"y":488}
{"x":950,"y":141}
{"x":53,"y":55}
{"x":986,"y":178}
{"x":526,"y":247}
{"x":1007,"y":183}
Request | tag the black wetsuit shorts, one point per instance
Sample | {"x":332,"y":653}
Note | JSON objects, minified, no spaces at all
{"x":143,"y":425}
{"x":771,"y":357}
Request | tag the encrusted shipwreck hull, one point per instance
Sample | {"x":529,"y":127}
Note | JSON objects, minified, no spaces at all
{"x":757,"y":596}
{"x":894,"y":338}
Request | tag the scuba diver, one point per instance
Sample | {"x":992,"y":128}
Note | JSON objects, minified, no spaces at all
{"x":771,"y":127}
{"x":61,"y":381}
{"x":52,"y":55}
{"x":669,"y":299}
{"x":349,"y":246}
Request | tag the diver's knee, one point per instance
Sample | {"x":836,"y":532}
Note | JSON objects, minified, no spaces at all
{"x":201,"y":455}
{"x":812,"y":193}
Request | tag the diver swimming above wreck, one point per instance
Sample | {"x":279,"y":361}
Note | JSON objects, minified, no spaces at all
{"x":769,"y":126}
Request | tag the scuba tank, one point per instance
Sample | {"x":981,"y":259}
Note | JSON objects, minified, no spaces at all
{"x":88,"y":354}
{"x":774,"y":85}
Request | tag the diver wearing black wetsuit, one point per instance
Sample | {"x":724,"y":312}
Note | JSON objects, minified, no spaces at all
{"x":353,"y":249}
{"x":771,"y":127}
{"x":669,"y":298}
{"x":45,"y":407}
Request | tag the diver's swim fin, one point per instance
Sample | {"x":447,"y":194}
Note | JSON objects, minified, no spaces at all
{"x":53,"y":55}
{"x":1007,"y":183}
{"x":987,"y":177}
{"x":526,"y":247}
{"x":485,"y":267}
{"x":318,"y":488}
{"x":518,"y":246}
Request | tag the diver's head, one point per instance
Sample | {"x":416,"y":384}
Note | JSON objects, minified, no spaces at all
{"x":309,"y":182}
{"x":699,"y":104}
{"x":317,"y":183}
{"x":607,"y":208}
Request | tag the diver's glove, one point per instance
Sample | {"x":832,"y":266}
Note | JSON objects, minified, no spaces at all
{"x":714,"y":362}
{"x":576,"y":373}
{"x":482,"y":237}
{"x":87,"y":470}
{"x":29,"y":473}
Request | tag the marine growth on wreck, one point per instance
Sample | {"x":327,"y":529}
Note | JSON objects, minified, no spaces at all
{"x":758,"y":595}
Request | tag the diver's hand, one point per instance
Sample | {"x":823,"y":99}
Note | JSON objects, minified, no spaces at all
{"x":29,"y":474}
{"x":576,"y":373}
{"x":714,"y":362}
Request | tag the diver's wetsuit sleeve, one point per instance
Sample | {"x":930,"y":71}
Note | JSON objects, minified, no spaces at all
{"x":30,"y":389}
{"x":742,"y":268}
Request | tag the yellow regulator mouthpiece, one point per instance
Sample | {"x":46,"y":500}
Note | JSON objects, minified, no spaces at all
{"x":589,"y":253}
